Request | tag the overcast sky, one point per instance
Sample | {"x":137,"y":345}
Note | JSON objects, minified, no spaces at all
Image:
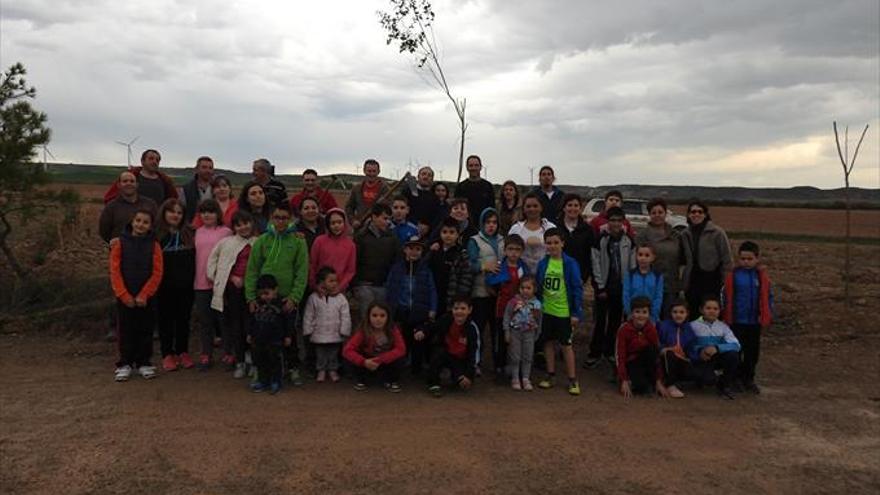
{"x":671,"y":92}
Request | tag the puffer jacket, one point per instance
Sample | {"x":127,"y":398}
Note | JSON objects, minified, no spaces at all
{"x":327,"y":319}
{"x":482,"y":250}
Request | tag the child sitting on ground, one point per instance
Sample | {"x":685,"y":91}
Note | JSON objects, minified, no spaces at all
{"x":135,"y":275}
{"x":637,"y":346}
{"x":644,"y":281}
{"x":269,"y":332}
{"x":677,"y":354}
{"x":748,"y":309}
{"x":376,"y":349}
{"x":522,"y":326}
{"x":327,"y":322}
{"x":717,"y":348}
{"x":456,"y":345}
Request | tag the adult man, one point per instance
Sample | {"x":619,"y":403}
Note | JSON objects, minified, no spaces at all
{"x":150,"y":181}
{"x":478,"y":192}
{"x":366,"y":193}
{"x":117,"y":214}
{"x":424,"y":208}
{"x":199,"y":187}
{"x":550,"y":195}
{"x":311,"y":189}
{"x":275,"y":191}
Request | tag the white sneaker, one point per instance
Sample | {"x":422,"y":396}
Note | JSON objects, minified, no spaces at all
{"x":122,"y":373}
{"x":527,"y":385}
{"x":148,"y":372}
{"x":240,"y":371}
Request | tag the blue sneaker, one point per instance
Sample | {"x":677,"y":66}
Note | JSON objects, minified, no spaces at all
{"x":274,"y":388}
{"x":257,"y":387}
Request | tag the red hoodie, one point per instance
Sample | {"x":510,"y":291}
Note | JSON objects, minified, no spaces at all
{"x":336,"y":251}
{"x":630,"y":342}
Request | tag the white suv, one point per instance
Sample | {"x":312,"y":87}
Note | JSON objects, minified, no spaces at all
{"x":636,"y":212}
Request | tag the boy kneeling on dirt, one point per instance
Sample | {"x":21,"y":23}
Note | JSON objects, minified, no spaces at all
{"x":456,"y":343}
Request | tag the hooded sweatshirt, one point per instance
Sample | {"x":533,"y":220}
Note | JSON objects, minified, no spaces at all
{"x":482,"y":250}
{"x":283,"y":255}
{"x":336,"y":251}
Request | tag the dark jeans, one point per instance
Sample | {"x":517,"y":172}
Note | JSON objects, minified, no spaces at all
{"x":209,"y":320}
{"x":749,"y":337}
{"x":175,"y":309}
{"x":236,"y":321}
{"x":409,"y":321}
{"x":136,"y":334}
{"x":267,"y":358}
{"x":484,"y":314}
{"x":607,"y":317}
{"x":386,"y":373}
{"x":642,"y":371}
{"x":727,"y":362}
{"x":676,"y":369}
{"x":443,"y":360}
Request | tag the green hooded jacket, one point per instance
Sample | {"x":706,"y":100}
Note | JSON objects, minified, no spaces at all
{"x":285,"y":256}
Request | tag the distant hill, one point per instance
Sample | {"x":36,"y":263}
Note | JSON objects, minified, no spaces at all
{"x":801,"y":196}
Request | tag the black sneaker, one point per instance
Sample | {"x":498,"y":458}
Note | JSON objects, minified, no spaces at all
{"x":725,"y":393}
{"x":360,"y":387}
{"x":436,"y":391}
{"x":591,"y":362}
{"x":753,"y":388}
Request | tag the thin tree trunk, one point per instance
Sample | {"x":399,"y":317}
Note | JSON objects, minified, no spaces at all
{"x":846,"y":262}
{"x":461,"y":149}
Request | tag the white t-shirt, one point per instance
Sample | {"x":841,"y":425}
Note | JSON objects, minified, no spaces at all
{"x":534,"y":239}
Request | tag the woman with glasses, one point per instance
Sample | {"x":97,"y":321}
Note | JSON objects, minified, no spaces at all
{"x":707,"y":256}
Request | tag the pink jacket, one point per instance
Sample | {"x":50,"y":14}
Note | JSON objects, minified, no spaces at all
{"x":338,"y":252}
{"x":206,"y":239}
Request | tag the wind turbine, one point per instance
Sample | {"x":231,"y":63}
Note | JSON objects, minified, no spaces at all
{"x":46,"y":152}
{"x":128,"y":146}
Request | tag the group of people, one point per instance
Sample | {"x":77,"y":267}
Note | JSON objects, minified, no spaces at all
{"x":425,"y":280}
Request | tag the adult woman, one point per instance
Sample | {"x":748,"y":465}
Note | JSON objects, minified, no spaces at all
{"x":309,"y":223}
{"x":221,"y":188}
{"x":532,"y":229}
{"x":441,"y":192}
{"x":253,"y":200}
{"x":707,"y":255}
{"x":667,"y":249}
{"x":508,"y":207}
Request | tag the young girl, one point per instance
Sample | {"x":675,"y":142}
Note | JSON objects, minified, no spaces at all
{"x":376,"y":349}
{"x":508,"y":207}
{"x":327,"y":321}
{"x":522,"y":326}
{"x":253,"y":200}
{"x":677,"y":345}
{"x":644,"y":281}
{"x":441,"y":192}
{"x":335,"y":249}
{"x":221,"y":189}
{"x":227,"y":267}
{"x":532,"y":229}
{"x":175,"y":296}
{"x":135,"y":275}
{"x":207,"y":237}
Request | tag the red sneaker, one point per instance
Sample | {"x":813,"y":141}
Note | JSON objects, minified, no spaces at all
{"x":186,"y":361}
{"x":169,"y":363}
{"x":204,"y":361}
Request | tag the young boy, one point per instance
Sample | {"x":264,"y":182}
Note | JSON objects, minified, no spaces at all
{"x":716,"y":347}
{"x":269,"y":333}
{"x":677,"y":349}
{"x":283,"y":254}
{"x":458,"y":209}
{"x":748,"y":309}
{"x":450,"y":266}
{"x":513,"y":268}
{"x":327,"y":322}
{"x":613,"y":199}
{"x":412,"y":296}
{"x":456,"y":342}
{"x":484,"y":251}
{"x":612,"y":258}
{"x":402,"y":228}
{"x":522,"y":326}
{"x":561,"y":292}
{"x":135,"y":275}
{"x":376,"y":249}
{"x":644,"y":281}
{"x":637,"y":346}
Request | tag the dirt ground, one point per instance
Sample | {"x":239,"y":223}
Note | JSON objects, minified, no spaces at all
{"x":66,"y":427}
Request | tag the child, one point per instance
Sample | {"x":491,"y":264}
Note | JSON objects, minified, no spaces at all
{"x":505,"y":283}
{"x":458,"y":209}
{"x":612,"y":258}
{"x":328,"y":322}
{"x":457,"y":344}
{"x":637,"y":346}
{"x":450,"y":266}
{"x":283,"y":254}
{"x":175,"y":296}
{"x":207,"y":237}
{"x":748,"y":309}
{"x":268,"y":332}
{"x":402,"y":228}
{"x":644,"y":281}
{"x":227,"y":267}
{"x":376,"y":248}
{"x":484,"y":251}
{"x":561,"y":293}
{"x":677,"y":354}
{"x":376,"y":349}
{"x":412,"y":296}
{"x":716,"y":347}
{"x":135,"y":275}
{"x":334,"y":249}
{"x":613,"y":199}
{"x":522,"y":326}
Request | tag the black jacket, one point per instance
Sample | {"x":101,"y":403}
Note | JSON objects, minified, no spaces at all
{"x":479,"y":195}
{"x":436,"y":334}
{"x":269,"y":325}
{"x":579,"y":245}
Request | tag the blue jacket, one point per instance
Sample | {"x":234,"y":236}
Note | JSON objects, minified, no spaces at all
{"x":716,"y":333}
{"x":503,"y":275}
{"x":573,"y":284}
{"x":668,"y":330}
{"x":404,"y":231}
{"x":649,"y":285}
{"x":410,"y":285}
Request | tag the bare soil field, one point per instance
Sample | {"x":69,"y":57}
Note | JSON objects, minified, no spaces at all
{"x":66,"y":427}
